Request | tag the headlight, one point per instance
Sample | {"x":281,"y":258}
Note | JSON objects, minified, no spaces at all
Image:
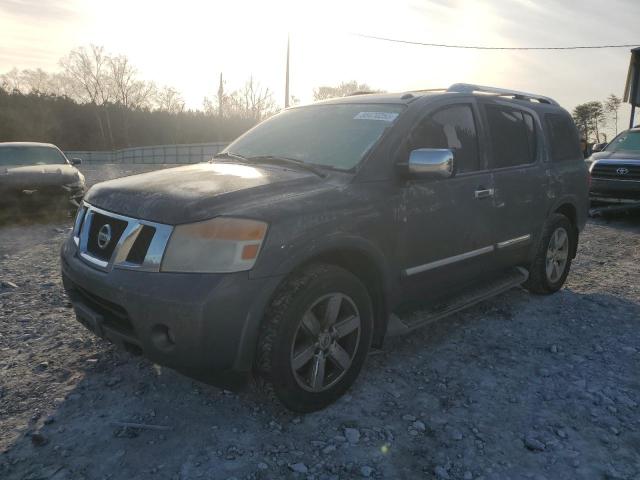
{"x":220,"y":245}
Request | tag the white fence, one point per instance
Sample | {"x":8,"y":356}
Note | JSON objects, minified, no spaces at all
{"x":172,"y":154}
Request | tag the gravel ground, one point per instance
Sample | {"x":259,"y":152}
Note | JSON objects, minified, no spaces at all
{"x":520,"y":386}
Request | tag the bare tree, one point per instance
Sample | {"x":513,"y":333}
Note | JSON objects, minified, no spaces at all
{"x":252,"y":101}
{"x":612,"y":107}
{"x":126,"y":88}
{"x":12,"y":81}
{"x":87,"y":69}
{"x":342,"y":90}
{"x":36,"y":81}
{"x":168,"y":99}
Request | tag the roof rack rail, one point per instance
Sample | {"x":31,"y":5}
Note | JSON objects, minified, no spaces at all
{"x":429,"y":90}
{"x":503,"y":92}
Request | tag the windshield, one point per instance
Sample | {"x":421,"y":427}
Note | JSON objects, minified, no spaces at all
{"x":336,"y":136}
{"x":625,"y":142}
{"x":31,"y":156}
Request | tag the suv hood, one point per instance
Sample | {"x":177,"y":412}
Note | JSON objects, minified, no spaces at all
{"x":198,"y":192}
{"x":615,"y":156}
{"x":35,"y":176}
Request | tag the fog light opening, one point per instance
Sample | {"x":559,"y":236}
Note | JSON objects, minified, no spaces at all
{"x":162,"y":337}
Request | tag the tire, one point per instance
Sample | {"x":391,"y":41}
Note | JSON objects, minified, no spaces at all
{"x":292,"y":355}
{"x":540,"y":281}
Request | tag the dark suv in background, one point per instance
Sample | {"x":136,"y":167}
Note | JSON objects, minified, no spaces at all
{"x":284,"y":258}
{"x":615,"y":170}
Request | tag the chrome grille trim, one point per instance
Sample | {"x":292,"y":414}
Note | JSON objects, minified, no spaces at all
{"x":153,"y":256}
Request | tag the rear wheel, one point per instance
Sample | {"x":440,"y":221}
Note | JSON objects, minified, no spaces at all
{"x":315,"y":337}
{"x":552,"y":262}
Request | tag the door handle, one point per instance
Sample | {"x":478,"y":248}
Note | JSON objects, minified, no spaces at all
{"x":484,"y":193}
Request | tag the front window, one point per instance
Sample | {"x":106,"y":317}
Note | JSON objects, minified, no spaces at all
{"x":31,"y":156}
{"x":625,"y":142}
{"x":452,"y":128}
{"x":335,"y":136}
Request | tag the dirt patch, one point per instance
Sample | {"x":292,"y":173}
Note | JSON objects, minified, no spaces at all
{"x":520,"y":386}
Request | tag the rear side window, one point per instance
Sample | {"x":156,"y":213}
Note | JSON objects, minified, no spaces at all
{"x":563,"y":137}
{"x":453,"y":128}
{"x":512,"y":135}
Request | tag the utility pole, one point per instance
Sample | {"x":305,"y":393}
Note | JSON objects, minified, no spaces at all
{"x":220,"y":97}
{"x":286,"y":83}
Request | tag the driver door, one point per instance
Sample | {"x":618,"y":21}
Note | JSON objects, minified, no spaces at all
{"x":449,"y":234}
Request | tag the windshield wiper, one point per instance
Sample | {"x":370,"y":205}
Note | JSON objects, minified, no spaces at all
{"x":276,"y":159}
{"x":235,"y":156}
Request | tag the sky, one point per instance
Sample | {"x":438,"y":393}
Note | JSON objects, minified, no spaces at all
{"x":187,"y":44}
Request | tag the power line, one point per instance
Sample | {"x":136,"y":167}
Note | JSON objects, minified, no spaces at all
{"x":476,"y":47}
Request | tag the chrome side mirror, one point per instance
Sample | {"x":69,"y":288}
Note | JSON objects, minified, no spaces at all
{"x":435,"y":163}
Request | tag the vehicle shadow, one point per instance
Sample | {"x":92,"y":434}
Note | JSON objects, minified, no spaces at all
{"x":490,"y":366}
{"x":626,"y":220}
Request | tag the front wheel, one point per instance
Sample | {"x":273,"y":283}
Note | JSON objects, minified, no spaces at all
{"x":552,"y":261}
{"x":315,"y":337}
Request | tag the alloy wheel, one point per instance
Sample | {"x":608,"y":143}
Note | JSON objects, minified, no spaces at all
{"x":325,"y":342}
{"x":557,"y":254}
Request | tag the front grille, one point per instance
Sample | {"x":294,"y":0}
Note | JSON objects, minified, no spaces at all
{"x":611,"y":171}
{"x":126,"y":243}
{"x":117,"y":228}
{"x":140,"y":247}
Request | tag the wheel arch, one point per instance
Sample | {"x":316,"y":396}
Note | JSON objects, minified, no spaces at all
{"x":569,"y":210}
{"x":369,"y":270}
{"x":356,"y":255}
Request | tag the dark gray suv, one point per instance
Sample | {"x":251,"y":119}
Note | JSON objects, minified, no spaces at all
{"x":285,"y":258}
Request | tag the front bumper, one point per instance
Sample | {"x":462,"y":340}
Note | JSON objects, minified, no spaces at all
{"x":63,"y":196}
{"x":204,"y":325}
{"x":614,"y":191}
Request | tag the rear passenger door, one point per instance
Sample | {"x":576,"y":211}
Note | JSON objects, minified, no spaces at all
{"x":515,"y":150}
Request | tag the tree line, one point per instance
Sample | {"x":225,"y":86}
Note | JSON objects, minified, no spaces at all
{"x":74,"y":126}
{"x":98,"y":101}
{"x":594,"y":116}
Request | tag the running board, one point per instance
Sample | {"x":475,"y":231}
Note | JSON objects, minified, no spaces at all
{"x":467,"y":298}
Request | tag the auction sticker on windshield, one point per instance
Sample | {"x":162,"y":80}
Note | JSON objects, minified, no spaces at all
{"x":382,"y":116}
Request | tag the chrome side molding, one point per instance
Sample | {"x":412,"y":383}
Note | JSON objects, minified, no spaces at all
{"x":448,"y":260}
{"x":466,"y":255}
{"x":514,"y":241}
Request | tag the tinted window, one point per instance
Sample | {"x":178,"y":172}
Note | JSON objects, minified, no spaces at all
{"x":31,"y":156}
{"x":563,"y":137}
{"x":512,"y":136}
{"x":454,"y":128}
{"x":336,"y":136}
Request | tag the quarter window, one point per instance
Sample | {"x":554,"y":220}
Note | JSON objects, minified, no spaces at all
{"x":563,"y":137}
{"x":512,"y":135}
{"x":453,"y":128}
